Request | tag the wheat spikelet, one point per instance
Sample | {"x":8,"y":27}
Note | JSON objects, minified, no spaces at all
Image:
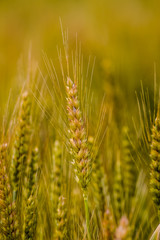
{"x":9,"y":226}
{"x":155,"y":163}
{"x":61,"y":220}
{"x":78,"y":138}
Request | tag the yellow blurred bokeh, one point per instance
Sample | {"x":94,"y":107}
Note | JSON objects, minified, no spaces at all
{"x":123,"y":35}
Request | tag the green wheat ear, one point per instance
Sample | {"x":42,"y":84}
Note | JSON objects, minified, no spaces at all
{"x":61,"y":220}
{"x":30,"y":218}
{"x":33,"y":171}
{"x":30,"y":208}
{"x":22,"y":143}
{"x":129,"y":169}
{"x":97,"y":179}
{"x":155,"y":163}
{"x":9,"y":226}
{"x":56,"y":174}
{"x":118,"y":189}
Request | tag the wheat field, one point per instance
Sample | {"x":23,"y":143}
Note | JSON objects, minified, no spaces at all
{"x":80,"y":120}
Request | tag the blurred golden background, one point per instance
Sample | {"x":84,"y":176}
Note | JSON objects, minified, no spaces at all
{"x":124,"y":36}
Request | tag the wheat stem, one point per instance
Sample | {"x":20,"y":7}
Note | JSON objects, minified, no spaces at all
{"x":85,"y":197}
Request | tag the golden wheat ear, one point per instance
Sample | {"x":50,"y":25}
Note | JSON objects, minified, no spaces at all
{"x":108,"y":225}
{"x":81,"y":157}
{"x":123,"y":230}
{"x":9,"y":225}
{"x":78,"y":138}
{"x":61,"y":220}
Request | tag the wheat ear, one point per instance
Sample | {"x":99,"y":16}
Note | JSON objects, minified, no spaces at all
{"x":129,"y":169}
{"x":61,"y":220}
{"x":56,"y":174}
{"x":123,"y":230}
{"x":79,"y":144}
{"x":108,"y":225}
{"x":30,"y":218}
{"x":33,"y":171}
{"x":155,"y":162}
{"x":97,"y":178}
{"x":21,"y":146}
{"x":118,"y":189}
{"x":9,"y":225}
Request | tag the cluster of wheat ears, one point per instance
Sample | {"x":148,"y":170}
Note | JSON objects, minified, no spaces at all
{"x":69,"y":171}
